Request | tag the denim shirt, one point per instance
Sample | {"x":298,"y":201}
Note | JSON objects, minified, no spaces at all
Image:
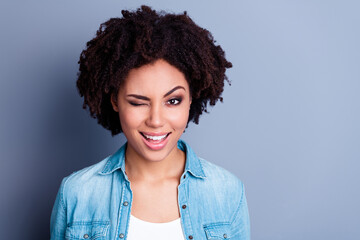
{"x":95,"y":202}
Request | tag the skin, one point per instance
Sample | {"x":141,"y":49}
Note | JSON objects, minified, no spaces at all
{"x":154,"y":98}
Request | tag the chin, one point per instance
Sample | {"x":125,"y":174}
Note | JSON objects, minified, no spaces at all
{"x":161,"y":154}
{"x":156,"y":156}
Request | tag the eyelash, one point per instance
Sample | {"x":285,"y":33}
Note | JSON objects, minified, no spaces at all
{"x":175,"y":99}
{"x":169,"y":102}
{"x":136,"y":104}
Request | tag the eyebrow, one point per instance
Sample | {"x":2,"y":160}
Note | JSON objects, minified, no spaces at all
{"x":148,"y":99}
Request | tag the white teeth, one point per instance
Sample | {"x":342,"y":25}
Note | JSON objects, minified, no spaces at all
{"x":155,"y":138}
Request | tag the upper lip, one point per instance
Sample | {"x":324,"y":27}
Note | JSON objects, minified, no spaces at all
{"x":155,"y":134}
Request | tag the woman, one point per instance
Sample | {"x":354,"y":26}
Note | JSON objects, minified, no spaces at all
{"x":148,"y":75}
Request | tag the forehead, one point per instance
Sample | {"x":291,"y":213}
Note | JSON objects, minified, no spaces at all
{"x":157,"y":77}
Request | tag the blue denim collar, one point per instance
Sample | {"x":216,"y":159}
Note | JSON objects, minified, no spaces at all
{"x":192,"y":165}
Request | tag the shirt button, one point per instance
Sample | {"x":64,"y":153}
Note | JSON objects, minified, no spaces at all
{"x":183,"y":206}
{"x":86,"y":236}
{"x":125,"y":204}
{"x":121,"y":235}
{"x":184,"y":176}
{"x":190,"y":237}
{"x":225,"y":235}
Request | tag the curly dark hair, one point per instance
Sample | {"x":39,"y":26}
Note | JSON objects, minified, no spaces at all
{"x":141,"y":37}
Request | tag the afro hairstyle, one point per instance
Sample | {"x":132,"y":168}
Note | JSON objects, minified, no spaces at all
{"x":141,"y":37}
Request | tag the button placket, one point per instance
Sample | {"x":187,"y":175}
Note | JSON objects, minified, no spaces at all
{"x":124,"y":212}
{"x":184,"y":211}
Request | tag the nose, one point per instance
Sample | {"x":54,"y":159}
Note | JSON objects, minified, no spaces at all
{"x":155,"y":118}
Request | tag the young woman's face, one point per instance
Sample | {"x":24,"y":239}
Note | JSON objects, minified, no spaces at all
{"x":153,"y":105}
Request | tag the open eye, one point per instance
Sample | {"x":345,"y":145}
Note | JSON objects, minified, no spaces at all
{"x":174,"y":101}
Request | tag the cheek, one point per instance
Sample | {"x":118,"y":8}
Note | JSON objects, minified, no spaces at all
{"x":130,"y":119}
{"x":179,"y":119}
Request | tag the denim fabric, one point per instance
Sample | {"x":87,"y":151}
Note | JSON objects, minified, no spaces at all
{"x":95,"y":202}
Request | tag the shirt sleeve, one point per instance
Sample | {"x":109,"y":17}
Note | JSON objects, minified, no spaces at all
{"x":241,"y":222}
{"x":58,"y":216}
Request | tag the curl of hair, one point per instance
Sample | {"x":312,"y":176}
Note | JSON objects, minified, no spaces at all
{"x":141,"y":37}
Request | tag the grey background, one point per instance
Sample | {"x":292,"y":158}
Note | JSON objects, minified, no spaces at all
{"x":288,"y":127}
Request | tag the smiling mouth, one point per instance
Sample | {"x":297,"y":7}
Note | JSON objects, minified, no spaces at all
{"x":155,"y":138}
{"x":155,"y":141}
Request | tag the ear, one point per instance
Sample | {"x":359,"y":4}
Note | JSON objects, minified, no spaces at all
{"x":114,"y":102}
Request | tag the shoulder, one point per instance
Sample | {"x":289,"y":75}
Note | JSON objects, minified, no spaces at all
{"x":87,"y":173}
{"x":218,"y":175}
{"x":220,"y":181}
{"x":219,"y":190}
{"x":79,"y":182}
{"x":208,"y":173}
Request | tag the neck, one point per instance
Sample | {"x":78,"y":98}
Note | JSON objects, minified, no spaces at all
{"x":138,"y":168}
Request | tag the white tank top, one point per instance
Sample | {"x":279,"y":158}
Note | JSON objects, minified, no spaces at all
{"x":142,"y":230}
